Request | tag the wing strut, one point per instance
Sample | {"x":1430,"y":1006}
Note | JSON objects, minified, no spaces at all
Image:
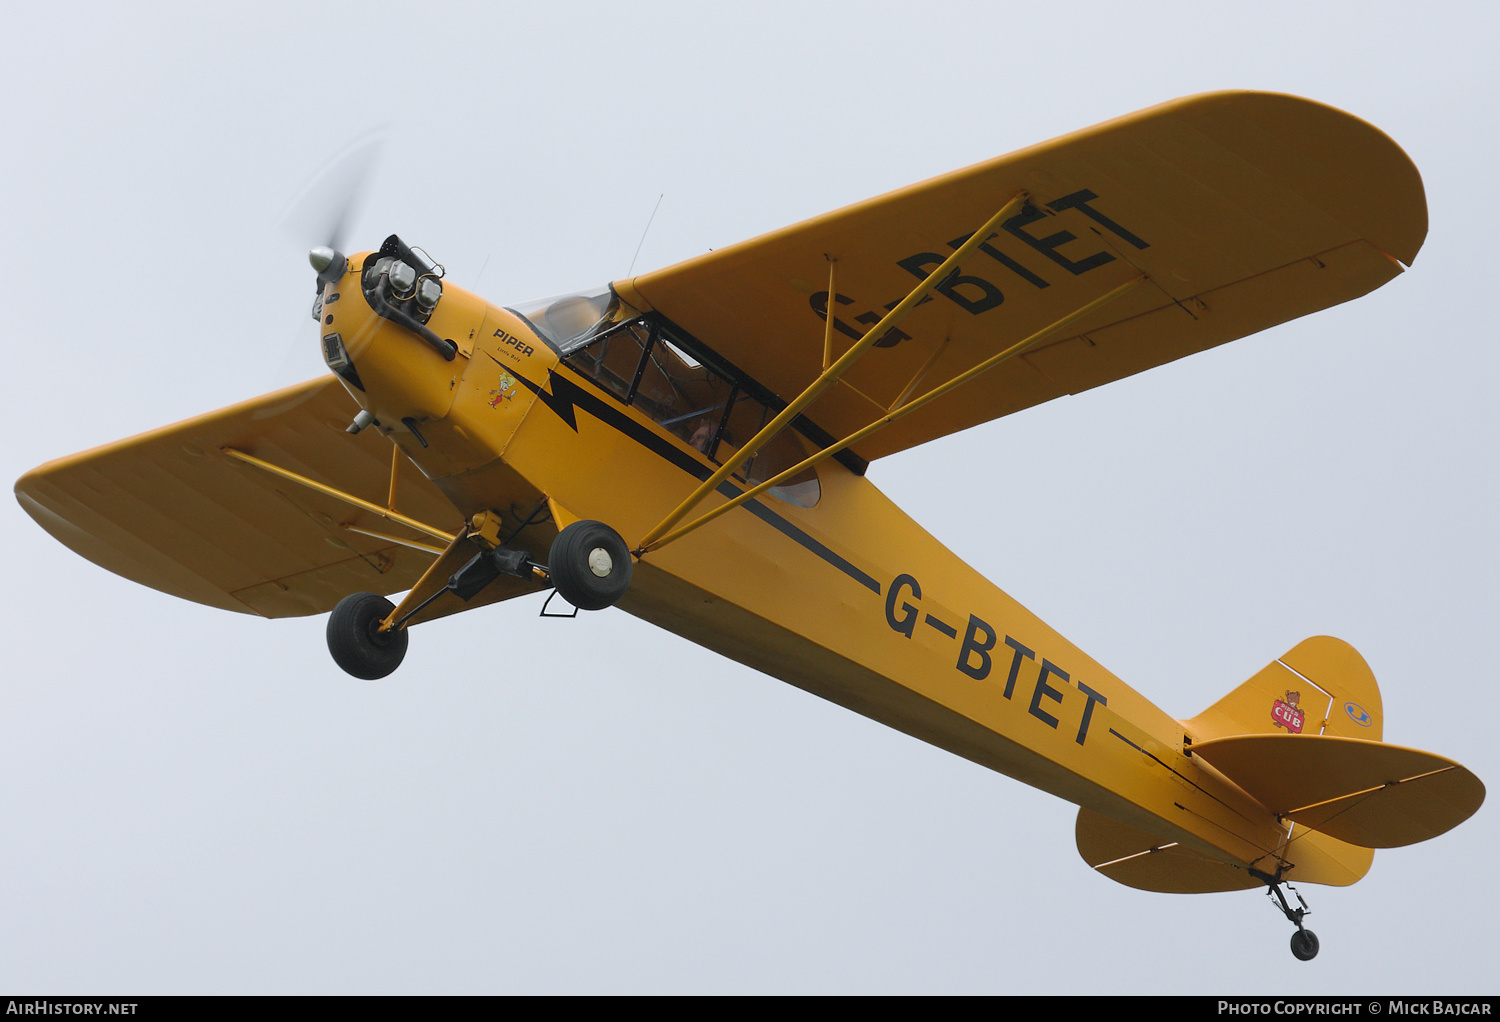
{"x":828,"y":324}
{"x":348,"y":498}
{"x":658,"y":537}
{"x":830,"y":375}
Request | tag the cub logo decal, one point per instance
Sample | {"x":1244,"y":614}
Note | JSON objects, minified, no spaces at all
{"x":1285,"y":713}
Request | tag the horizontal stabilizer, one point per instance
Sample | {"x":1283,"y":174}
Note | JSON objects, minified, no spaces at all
{"x":1150,"y":862}
{"x":1361,"y":792}
{"x":1153,"y":862}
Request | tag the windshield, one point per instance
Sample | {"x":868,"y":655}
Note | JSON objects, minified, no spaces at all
{"x":568,"y":321}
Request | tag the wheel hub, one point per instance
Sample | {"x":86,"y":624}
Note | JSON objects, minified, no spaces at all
{"x":600,"y":563}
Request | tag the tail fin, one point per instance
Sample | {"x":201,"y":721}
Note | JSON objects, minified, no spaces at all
{"x":1321,"y":686}
{"x":1302,"y":737}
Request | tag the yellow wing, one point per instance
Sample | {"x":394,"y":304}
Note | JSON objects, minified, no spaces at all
{"x":1243,"y":209}
{"x":168,"y":510}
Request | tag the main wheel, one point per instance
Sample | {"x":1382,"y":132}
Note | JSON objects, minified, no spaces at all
{"x":590,"y":565}
{"x":357,"y":644}
{"x":1305,"y":945}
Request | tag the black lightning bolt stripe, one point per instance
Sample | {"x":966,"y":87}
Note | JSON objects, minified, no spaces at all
{"x":565,"y":397}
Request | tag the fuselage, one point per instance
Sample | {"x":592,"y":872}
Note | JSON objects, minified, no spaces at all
{"x":848,"y":598}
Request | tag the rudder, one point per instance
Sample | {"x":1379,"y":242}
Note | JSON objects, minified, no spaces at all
{"x":1321,"y":686}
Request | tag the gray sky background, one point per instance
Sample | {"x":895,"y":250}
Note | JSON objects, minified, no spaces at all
{"x":196,"y":801}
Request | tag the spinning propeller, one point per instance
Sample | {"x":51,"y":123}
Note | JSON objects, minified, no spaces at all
{"x":330,"y":204}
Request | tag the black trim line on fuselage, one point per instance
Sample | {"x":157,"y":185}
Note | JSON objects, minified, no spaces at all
{"x":721,"y":365}
{"x":705,"y":355}
{"x":1180,"y":776}
{"x":565,"y":396}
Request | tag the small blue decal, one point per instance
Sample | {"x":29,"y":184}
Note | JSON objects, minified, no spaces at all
{"x":1358,"y":714}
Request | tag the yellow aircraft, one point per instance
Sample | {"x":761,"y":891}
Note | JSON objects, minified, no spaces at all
{"x":690,"y":445}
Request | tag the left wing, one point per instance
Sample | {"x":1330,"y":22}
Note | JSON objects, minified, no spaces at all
{"x":167,"y":509}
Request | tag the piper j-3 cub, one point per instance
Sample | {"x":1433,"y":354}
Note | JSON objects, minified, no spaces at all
{"x":690,"y":445}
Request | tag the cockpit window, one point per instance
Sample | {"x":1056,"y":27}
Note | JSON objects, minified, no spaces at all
{"x":705,"y":406}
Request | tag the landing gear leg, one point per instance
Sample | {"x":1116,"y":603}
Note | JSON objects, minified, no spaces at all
{"x":1304,"y":941}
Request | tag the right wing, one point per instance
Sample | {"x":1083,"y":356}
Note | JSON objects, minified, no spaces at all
{"x":167,"y":509}
{"x":1243,"y":209}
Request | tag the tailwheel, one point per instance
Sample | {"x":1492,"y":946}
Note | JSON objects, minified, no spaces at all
{"x":1305,"y":945}
{"x":590,"y":565}
{"x":1304,"y":942}
{"x":355,"y":639}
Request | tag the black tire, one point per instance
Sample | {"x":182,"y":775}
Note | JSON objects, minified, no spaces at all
{"x":578,"y":555}
{"x":1305,"y":945}
{"x":356,"y":644}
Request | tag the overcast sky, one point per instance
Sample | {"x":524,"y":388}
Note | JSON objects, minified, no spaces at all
{"x":198,"y":801}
